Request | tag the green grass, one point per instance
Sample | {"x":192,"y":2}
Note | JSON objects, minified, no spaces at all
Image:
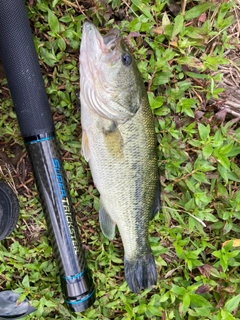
{"x":179,"y":51}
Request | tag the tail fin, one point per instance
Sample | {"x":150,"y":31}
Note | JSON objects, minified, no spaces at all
{"x":141,"y":273}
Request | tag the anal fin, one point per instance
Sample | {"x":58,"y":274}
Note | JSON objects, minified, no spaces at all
{"x":106,"y":223}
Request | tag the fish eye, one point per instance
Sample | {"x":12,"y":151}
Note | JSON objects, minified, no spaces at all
{"x":126,"y":59}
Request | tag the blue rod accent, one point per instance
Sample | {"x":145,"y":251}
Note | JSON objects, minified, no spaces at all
{"x":78,"y":275}
{"x":81,"y":300}
{"x":40,"y":140}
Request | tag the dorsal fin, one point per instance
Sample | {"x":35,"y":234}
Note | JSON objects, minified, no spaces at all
{"x":156,"y":206}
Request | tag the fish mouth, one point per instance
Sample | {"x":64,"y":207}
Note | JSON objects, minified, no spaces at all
{"x":112,"y":39}
{"x":107,"y":43}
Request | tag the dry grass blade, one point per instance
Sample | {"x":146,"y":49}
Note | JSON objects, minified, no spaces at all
{"x":229,"y":100}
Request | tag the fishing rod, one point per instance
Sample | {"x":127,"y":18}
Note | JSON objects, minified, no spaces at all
{"x":35,"y":120}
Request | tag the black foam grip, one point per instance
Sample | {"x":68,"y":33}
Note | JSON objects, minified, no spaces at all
{"x":22,"y":69}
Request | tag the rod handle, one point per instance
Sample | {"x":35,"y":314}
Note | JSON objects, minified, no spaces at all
{"x":20,"y":61}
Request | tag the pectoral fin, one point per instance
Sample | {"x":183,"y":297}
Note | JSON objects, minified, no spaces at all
{"x":85,"y":146}
{"x":114,"y":143}
{"x":106,"y":223}
{"x":156,"y":202}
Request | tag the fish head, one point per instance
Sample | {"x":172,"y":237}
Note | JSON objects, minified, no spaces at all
{"x":110,"y":81}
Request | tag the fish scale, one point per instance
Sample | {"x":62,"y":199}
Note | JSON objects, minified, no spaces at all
{"x":120,"y":193}
{"x":119,"y":144}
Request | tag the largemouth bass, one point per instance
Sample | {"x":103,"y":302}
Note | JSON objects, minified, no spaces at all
{"x":119,"y":143}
